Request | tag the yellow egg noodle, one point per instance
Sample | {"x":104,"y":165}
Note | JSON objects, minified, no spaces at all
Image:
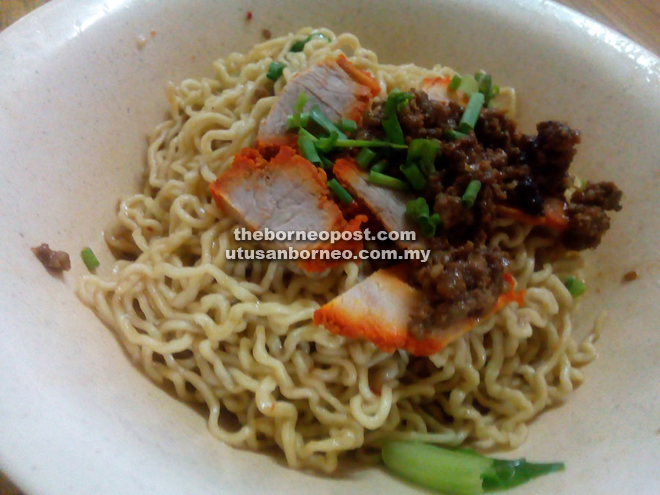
{"x":239,"y":337}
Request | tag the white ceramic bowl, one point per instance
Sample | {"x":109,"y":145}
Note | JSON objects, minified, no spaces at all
{"x":77,"y":98}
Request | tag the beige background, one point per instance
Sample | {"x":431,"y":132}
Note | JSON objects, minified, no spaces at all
{"x":637,"y":19}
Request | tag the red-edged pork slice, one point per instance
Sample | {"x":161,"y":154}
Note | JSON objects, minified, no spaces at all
{"x":379,"y":309}
{"x":288,"y":194}
{"x":437,"y":89}
{"x":386,"y":205}
{"x":338,"y":88}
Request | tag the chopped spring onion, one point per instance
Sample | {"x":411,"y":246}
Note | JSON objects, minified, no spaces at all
{"x":361,"y":143}
{"x":469,"y":85}
{"x":486,"y":86}
{"x":574,"y":286}
{"x":275,"y":70}
{"x":393,"y":130}
{"x":299,"y":46}
{"x":416,"y":208}
{"x":459,"y":471}
{"x":300,"y":102}
{"x":455,"y":82}
{"x":471,"y":113}
{"x":339,"y":191}
{"x":453,"y":135}
{"x":430,"y":224}
{"x":381,"y":166}
{"x":494,"y":92}
{"x":319,"y":117}
{"x":484,"y":81}
{"x":423,"y":152}
{"x":347,"y":125}
{"x":365,"y":157}
{"x":396,"y":100}
{"x":308,"y":150}
{"x":298,"y":118}
{"x":327,"y":163}
{"x":414,"y":176}
{"x":470,"y":194}
{"x":326,"y":144}
{"x":304,"y":132}
{"x":89,"y":258}
{"x":387,"y":181}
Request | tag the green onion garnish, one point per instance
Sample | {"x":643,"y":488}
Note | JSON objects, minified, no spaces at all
{"x":469,"y":85}
{"x":416,"y":208}
{"x":459,"y":471}
{"x":470,"y":193}
{"x":319,"y":117}
{"x":486,"y":87}
{"x":387,"y":181}
{"x":455,"y":82}
{"x":361,"y":143}
{"x":381,"y":166}
{"x":414,"y":176}
{"x":275,"y":70}
{"x":326,"y":144}
{"x":301,"y":101}
{"x":299,"y":46}
{"x":339,"y":191}
{"x":453,"y":135}
{"x":308,"y":150}
{"x":429,"y":225}
{"x":423,"y":152}
{"x":298,"y":118}
{"x":365,"y":157}
{"x":471,"y":113}
{"x":304,"y":132}
{"x":396,"y":100}
{"x":574,"y":286}
{"x":327,"y":163}
{"x":393,"y":130}
{"x":89,"y":258}
{"x":347,"y":125}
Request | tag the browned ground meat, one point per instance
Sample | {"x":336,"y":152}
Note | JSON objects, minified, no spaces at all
{"x":602,"y":194}
{"x":587,"y":220}
{"x":550,"y":154}
{"x":55,"y":261}
{"x":586,"y":226}
{"x":464,"y":277}
{"x":458,"y":283}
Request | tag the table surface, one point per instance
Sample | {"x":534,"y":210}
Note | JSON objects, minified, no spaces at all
{"x":637,"y":19}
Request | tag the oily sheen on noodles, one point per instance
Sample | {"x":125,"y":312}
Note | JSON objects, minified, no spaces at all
{"x":238,"y":335}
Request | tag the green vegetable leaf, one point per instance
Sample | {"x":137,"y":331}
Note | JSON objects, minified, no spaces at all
{"x":507,"y":474}
{"x":459,"y":471}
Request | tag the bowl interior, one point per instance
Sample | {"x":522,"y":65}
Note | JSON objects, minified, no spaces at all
{"x":78,"y":98}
